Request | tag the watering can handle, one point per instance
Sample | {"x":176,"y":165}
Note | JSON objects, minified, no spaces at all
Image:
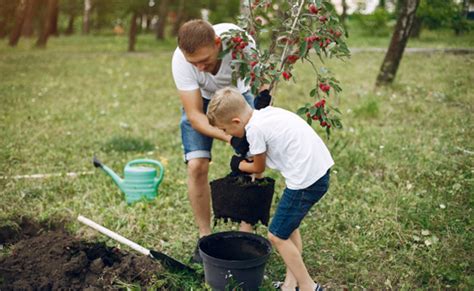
{"x":152,"y":162}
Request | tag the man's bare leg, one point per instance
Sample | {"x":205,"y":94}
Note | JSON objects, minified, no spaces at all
{"x":199,"y":194}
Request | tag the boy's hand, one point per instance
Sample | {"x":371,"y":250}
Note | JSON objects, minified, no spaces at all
{"x":262,"y":100}
{"x":234,"y":164}
{"x":240,"y":145}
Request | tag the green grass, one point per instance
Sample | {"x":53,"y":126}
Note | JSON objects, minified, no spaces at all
{"x":399,"y":211}
{"x":441,"y":38}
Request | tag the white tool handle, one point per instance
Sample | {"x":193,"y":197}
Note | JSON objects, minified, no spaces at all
{"x":113,"y":235}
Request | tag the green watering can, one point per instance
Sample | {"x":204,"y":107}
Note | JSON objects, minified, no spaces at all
{"x":139,"y":182}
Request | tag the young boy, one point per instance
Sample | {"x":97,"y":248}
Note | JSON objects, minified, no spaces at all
{"x":282,"y":141}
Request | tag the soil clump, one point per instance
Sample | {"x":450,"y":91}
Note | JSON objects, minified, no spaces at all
{"x":44,"y":259}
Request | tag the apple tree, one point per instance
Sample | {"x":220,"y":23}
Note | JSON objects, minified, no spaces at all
{"x":288,"y":32}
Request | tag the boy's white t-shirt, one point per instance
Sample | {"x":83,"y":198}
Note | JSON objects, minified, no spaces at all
{"x":291,"y":146}
{"x":187,"y":77}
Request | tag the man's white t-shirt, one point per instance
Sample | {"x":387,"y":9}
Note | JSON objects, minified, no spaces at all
{"x":291,"y":146}
{"x":187,"y":77}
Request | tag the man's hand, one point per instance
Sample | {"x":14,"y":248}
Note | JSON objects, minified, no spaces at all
{"x":262,"y":100}
{"x":234,"y":164}
{"x":240,"y":145}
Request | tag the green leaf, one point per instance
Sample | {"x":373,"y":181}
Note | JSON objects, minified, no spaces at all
{"x":313,"y":92}
{"x":302,"y":111}
{"x":303,"y":48}
{"x":331,"y":46}
{"x":223,"y":53}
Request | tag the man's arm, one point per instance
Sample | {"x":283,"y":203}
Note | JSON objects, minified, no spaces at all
{"x":257,"y":166}
{"x":192,"y":103}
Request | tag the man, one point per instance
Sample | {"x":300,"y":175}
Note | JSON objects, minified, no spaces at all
{"x":198,"y":73}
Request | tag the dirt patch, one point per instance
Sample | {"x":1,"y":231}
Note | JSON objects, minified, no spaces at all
{"x":55,"y":259}
{"x":13,"y":231}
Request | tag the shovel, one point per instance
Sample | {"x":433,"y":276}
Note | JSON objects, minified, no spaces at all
{"x":165,"y":260}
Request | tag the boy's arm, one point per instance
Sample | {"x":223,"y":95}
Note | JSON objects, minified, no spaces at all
{"x":257,"y":166}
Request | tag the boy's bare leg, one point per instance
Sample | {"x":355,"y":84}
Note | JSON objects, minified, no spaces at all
{"x":199,"y":194}
{"x":294,"y":261}
{"x":244,"y":226}
{"x":290,"y":280}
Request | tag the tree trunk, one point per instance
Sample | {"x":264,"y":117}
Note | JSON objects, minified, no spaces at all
{"x":47,"y":24}
{"x":54,"y":21}
{"x":397,"y":44}
{"x":148,"y":22}
{"x":70,"y":25}
{"x":161,"y":25}
{"x":132,"y":37}
{"x":31,"y":12}
{"x":86,"y":18}
{"x":416,"y":29}
{"x":344,"y":14}
{"x":20,"y":15}
{"x":465,"y":8}
{"x":139,"y":23}
{"x":179,"y":18}
{"x":382,"y":4}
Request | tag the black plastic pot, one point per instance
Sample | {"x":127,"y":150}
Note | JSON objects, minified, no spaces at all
{"x":234,"y":259}
{"x":240,"y":199}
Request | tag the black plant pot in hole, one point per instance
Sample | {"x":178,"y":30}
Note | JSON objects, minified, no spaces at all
{"x":238,"y":198}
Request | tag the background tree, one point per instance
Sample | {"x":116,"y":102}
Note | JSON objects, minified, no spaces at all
{"x":180,"y":12}
{"x":86,"y":16}
{"x":7,"y":16}
{"x":185,"y":10}
{"x":382,"y":4}
{"x":48,"y":23}
{"x":31,"y":13}
{"x":398,"y":42}
{"x":433,"y":14}
{"x":162,"y":19}
{"x":344,"y":14}
{"x":222,"y":10}
{"x":70,"y":8}
{"x":20,"y":14}
{"x":135,"y":9}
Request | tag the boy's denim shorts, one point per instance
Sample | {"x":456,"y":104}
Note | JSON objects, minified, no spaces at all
{"x":195,"y":144}
{"x":294,"y":205}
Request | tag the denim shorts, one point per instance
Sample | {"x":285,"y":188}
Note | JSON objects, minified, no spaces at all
{"x":195,"y":144}
{"x":294,"y":205}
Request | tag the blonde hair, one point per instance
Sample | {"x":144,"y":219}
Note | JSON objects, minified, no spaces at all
{"x":226,"y":104}
{"x":195,"y":34}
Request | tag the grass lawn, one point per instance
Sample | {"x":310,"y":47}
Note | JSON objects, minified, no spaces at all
{"x":399,"y":213}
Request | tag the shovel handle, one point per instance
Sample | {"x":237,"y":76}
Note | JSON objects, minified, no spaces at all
{"x":113,"y":235}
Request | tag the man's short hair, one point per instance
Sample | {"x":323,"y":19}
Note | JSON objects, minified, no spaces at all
{"x":226,"y":104}
{"x":194,"y":34}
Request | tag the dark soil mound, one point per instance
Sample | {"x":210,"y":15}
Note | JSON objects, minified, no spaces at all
{"x":57,"y":260}
{"x":23,"y":228}
{"x":240,"y":199}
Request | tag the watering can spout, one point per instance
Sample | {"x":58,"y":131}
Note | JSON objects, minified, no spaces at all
{"x":110,"y":172}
